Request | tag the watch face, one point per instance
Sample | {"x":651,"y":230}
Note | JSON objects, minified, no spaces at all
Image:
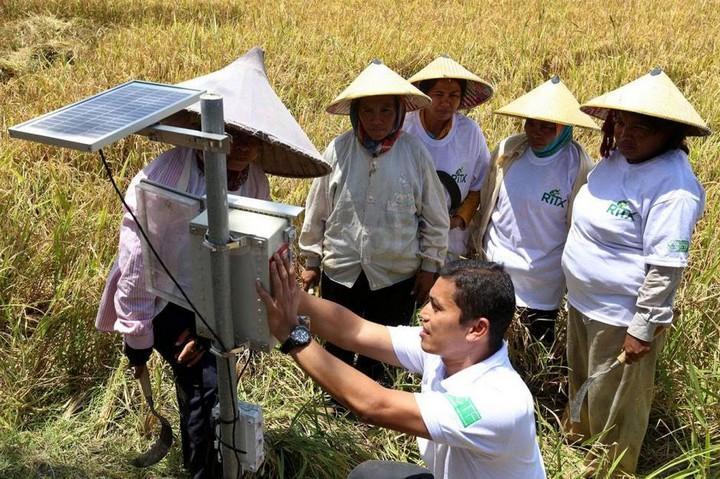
{"x":301,"y":335}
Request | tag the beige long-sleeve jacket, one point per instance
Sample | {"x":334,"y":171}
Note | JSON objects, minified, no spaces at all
{"x":386,"y":216}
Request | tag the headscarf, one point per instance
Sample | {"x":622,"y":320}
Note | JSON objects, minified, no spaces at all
{"x":377,"y":148}
{"x":564,"y":137}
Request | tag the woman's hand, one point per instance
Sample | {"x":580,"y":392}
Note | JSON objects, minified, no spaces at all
{"x":192,"y":351}
{"x":424,"y":280}
{"x":457,"y":222}
{"x":310,"y":277}
{"x":635,"y":348}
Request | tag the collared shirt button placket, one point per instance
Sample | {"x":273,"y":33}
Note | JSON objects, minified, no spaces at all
{"x":369,"y":210}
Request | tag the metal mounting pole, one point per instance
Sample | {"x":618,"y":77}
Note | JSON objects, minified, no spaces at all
{"x":218,"y":234}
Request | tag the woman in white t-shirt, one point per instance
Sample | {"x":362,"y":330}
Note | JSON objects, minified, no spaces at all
{"x":625,"y":253}
{"x":525,"y":207}
{"x":456,"y":143}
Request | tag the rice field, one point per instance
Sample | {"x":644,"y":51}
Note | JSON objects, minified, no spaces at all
{"x":69,"y":408}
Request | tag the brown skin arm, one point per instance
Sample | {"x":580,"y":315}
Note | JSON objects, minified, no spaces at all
{"x":424,"y":281}
{"x":191,"y":353}
{"x":373,"y":403}
{"x":329,"y":320}
{"x":466,"y":210}
{"x":457,"y":222}
{"x":347,"y":330}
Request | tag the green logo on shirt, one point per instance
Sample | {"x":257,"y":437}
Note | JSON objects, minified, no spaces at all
{"x":621,"y":209}
{"x":553,"y":197}
{"x":459,"y":176}
{"x":679,"y":246}
{"x":465,"y":409}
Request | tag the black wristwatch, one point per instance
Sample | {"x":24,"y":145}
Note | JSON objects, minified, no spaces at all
{"x":299,"y":337}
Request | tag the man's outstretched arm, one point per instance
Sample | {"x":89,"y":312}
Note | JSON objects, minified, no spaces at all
{"x":329,"y":320}
{"x":340,"y":326}
{"x":373,"y":403}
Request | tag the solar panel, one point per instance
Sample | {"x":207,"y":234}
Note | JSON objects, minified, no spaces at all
{"x":99,"y":120}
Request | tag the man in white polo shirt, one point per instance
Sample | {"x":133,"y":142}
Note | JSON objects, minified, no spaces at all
{"x":474,"y":416}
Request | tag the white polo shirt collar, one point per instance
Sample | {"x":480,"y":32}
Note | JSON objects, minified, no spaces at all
{"x":471,"y":373}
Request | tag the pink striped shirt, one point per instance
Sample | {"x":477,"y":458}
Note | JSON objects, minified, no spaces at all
{"x":126,"y":306}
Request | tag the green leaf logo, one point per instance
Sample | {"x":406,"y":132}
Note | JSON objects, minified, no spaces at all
{"x":679,"y":246}
{"x":465,"y":409}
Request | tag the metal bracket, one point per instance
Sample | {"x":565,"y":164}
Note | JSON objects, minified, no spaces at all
{"x":233,"y":243}
{"x":198,"y":140}
{"x":290,"y":234}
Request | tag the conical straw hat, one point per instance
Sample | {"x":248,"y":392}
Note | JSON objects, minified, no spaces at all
{"x":551,"y":101}
{"x":478,"y":90}
{"x":653,"y":94}
{"x":377,"y":79}
{"x":251,"y":106}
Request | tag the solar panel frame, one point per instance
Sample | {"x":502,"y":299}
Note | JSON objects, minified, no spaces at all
{"x":53,"y":128}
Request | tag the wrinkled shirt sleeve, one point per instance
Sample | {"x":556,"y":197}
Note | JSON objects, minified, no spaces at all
{"x":407,"y":348}
{"x":655,"y":301}
{"x":434,"y":219}
{"x":317,"y":209}
{"x":134,"y":306}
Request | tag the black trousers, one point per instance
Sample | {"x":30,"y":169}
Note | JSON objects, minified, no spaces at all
{"x":391,"y":306}
{"x":540,"y":324}
{"x":196,"y":389}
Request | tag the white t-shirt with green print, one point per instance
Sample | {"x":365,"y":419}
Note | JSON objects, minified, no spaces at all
{"x":463,"y":154}
{"x":528,"y":225}
{"x":626,"y":217}
{"x":481,"y":419}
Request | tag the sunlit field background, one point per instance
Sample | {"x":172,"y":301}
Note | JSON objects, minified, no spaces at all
{"x":68,"y":407}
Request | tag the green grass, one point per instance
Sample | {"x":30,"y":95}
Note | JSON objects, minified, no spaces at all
{"x":67,"y":406}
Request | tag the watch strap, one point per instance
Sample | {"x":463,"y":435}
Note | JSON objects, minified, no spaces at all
{"x":292,"y":342}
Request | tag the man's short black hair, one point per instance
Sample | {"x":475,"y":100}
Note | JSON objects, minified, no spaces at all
{"x":483,"y":289}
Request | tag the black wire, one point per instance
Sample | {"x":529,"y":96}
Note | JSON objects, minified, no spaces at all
{"x":247,"y":361}
{"x":236,"y":418}
{"x":233,"y":447}
{"x":154,"y":251}
{"x":250,"y":355}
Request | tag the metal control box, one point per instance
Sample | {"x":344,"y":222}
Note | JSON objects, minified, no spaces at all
{"x":176,"y":224}
{"x":258,"y":229}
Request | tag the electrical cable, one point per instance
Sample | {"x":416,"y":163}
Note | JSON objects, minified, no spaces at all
{"x":239,"y":375}
{"x":232,"y":446}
